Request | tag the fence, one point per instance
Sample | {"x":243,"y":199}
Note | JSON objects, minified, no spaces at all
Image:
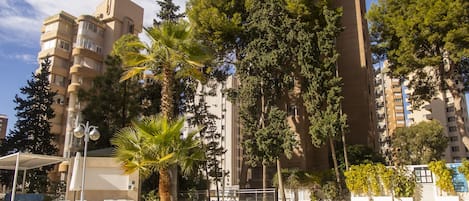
{"x":230,"y":195}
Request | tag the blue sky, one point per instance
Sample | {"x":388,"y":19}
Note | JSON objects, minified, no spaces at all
{"x":19,"y":39}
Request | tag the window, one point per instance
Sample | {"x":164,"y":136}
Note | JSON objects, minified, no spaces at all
{"x":64,"y":45}
{"x":131,"y":28}
{"x":423,"y":175}
{"x":59,"y":80}
{"x":91,"y":26}
{"x":59,"y":99}
{"x":89,"y":44}
{"x":454,"y":149}
{"x":453,"y":138}
{"x":451,"y":119}
{"x":450,"y":109}
{"x":452,"y":129}
{"x":49,"y":44}
{"x":398,"y":100}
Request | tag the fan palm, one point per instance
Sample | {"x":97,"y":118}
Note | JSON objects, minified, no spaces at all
{"x":154,"y":144}
{"x":172,"y":53}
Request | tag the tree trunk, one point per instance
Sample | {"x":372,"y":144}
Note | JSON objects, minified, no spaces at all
{"x":167,"y":102}
{"x":164,"y":185}
{"x":167,"y":109}
{"x":334,"y":160}
{"x":264,"y":182}
{"x":280,"y":181}
{"x":345,"y":150}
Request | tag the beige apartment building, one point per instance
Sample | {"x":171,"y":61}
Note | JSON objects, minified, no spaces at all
{"x":3,"y":126}
{"x":389,"y":109}
{"x":356,"y":69}
{"x":394,"y":110}
{"x":77,"y":47}
{"x":442,"y":109}
{"x":354,"y":66}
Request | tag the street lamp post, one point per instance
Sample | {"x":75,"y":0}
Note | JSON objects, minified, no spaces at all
{"x":89,"y":132}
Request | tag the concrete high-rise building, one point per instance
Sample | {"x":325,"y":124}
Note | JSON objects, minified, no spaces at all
{"x":442,"y":109}
{"x":394,"y":110}
{"x":3,"y":126}
{"x":226,"y":121}
{"x":389,"y":109}
{"x":355,"y":67}
{"x":77,"y":47}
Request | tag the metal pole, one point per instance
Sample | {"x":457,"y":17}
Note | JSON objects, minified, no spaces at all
{"x":15,"y":177}
{"x":24,"y":181}
{"x":87,"y":137}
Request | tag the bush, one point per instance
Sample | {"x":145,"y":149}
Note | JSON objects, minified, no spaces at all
{"x":377,"y":180}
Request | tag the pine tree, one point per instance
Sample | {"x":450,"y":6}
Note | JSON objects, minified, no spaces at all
{"x":168,"y":12}
{"x":111,"y":105}
{"x":427,"y":38}
{"x":32,"y":129}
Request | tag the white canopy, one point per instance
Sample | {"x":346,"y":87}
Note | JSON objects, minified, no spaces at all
{"x":26,"y":161}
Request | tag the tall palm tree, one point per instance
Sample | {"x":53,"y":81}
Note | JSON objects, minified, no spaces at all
{"x":172,"y":53}
{"x":154,"y":144}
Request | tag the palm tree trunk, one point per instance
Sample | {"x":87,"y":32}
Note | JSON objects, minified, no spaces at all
{"x":167,"y":109}
{"x":167,"y":101}
{"x":280,"y":181}
{"x":164,"y":185}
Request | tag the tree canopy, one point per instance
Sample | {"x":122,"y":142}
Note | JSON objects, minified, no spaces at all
{"x":154,"y":144}
{"x":420,"y":143}
{"x":32,"y":131}
{"x":428,"y":39}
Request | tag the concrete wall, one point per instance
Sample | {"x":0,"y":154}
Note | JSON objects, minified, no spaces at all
{"x":104,"y":180}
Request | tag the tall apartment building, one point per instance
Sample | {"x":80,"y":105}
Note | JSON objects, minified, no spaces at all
{"x":390,"y":111}
{"x":227,"y":125}
{"x":3,"y":126}
{"x":77,"y":47}
{"x":442,"y":109}
{"x":355,"y":67}
{"x":394,"y":110}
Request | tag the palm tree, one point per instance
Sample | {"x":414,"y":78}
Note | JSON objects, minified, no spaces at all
{"x":154,"y":144}
{"x":173,"y":53}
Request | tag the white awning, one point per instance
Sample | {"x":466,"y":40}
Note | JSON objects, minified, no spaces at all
{"x":25,"y":161}
{"x":28,"y":161}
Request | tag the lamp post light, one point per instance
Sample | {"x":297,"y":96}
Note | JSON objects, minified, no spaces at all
{"x":89,"y":132}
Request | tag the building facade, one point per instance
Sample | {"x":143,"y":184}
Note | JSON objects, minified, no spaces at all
{"x":442,"y":108}
{"x":3,"y":126}
{"x":77,"y":47}
{"x":390,"y":110}
{"x":355,"y":67}
{"x":394,"y":110}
